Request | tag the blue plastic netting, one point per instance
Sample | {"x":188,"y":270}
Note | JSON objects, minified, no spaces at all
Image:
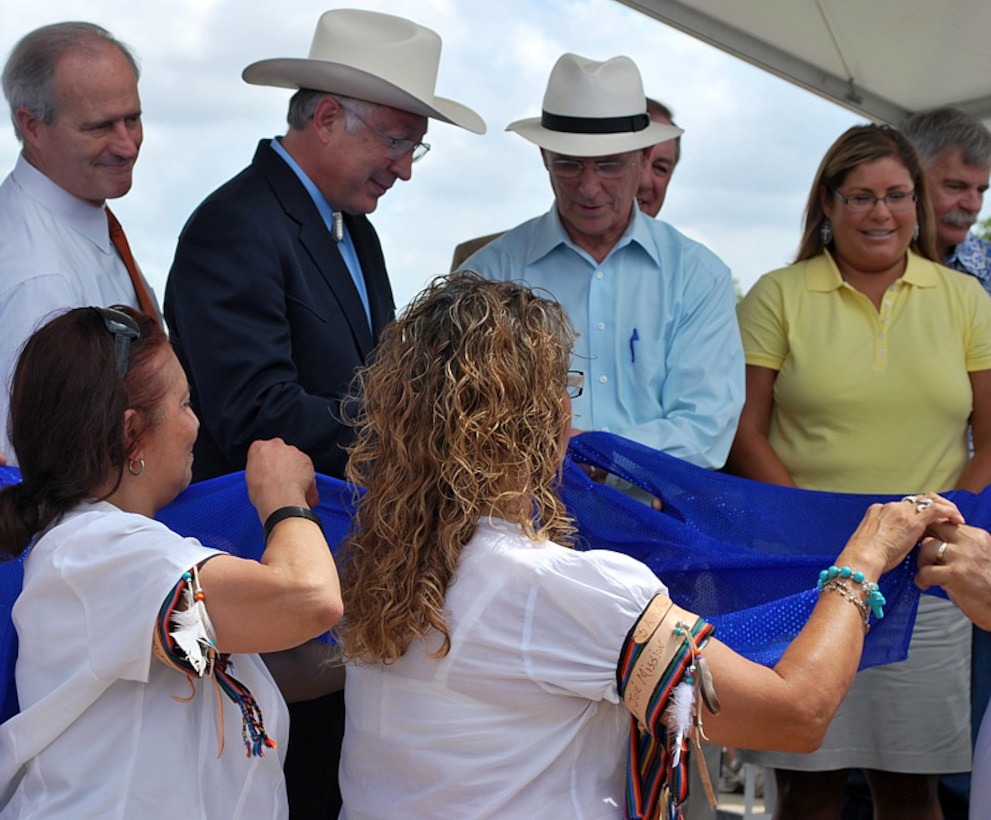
{"x":745,"y":555}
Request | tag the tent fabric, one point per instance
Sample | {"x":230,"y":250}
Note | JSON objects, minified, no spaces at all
{"x":743,"y":554}
{"x":884,"y":59}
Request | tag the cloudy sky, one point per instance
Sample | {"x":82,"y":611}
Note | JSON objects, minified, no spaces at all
{"x":751,"y":146}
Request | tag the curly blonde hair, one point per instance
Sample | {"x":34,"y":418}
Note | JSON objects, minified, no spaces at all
{"x":462,"y":416}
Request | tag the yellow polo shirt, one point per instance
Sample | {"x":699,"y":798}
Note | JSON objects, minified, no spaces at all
{"x":869,"y":401}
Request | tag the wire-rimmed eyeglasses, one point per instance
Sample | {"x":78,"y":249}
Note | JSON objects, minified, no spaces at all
{"x":894,"y":201}
{"x":575,"y":383}
{"x":395,"y":147}
{"x":574,"y":168}
{"x":124,"y":329}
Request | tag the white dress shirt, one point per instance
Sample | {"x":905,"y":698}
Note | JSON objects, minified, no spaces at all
{"x":55,"y":254}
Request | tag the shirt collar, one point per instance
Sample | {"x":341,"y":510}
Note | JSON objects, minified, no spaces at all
{"x":551,"y":233}
{"x":86,"y":218}
{"x":823,"y":276}
{"x":971,"y":256}
{"x":323,"y":206}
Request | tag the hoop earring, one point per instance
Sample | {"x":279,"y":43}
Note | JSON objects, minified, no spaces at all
{"x":826,"y":233}
{"x":130,"y":467}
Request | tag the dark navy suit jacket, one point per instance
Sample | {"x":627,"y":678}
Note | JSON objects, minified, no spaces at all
{"x":266,"y":320}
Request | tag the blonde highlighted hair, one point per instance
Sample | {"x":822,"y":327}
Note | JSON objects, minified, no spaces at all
{"x":462,"y":417}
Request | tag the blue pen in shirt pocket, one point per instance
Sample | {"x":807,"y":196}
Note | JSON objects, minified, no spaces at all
{"x":634,"y":337}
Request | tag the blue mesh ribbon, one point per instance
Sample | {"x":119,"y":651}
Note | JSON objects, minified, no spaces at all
{"x":742,"y":554}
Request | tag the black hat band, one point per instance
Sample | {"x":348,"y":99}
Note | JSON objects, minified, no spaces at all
{"x":594,"y":125}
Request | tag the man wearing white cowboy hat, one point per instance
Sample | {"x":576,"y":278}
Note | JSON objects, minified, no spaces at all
{"x":658,"y":342}
{"x":278,"y":291}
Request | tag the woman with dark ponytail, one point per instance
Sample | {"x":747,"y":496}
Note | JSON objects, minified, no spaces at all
{"x":69,"y":441}
{"x":117,"y":612}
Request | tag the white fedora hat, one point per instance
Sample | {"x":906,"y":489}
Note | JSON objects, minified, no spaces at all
{"x":593,"y":109}
{"x":370,"y":56}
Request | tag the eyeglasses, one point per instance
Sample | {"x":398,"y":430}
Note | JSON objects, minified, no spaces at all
{"x":124,"y":329}
{"x":395,"y":147}
{"x":894,"y":201}
{"x":573,"y":168}
{"x":575,"y":383}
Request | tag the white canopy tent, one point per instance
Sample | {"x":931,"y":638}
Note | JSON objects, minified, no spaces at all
{"x":884,"y":59}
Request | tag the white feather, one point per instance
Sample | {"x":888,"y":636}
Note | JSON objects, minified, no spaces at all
{"x":191,"y":631}
{"x":678,"y":717}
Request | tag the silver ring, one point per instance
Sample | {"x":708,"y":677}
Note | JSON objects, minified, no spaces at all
{"x":939,"y":552}
{"x":920,"y":501}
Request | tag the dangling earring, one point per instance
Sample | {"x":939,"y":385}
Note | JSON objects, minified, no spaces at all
{"x":826,"y":233}
{"x":130,"y":467}
{"x":915,"y":233}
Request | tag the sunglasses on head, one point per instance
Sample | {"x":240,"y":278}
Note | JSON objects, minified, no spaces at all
{"x":124,"y":329}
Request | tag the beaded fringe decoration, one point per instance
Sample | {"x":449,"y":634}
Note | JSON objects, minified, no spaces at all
{"x":168,"y":650}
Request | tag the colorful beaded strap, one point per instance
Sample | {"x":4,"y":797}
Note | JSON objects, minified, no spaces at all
{"x":659,"y":671}
{"x":183,"y":640}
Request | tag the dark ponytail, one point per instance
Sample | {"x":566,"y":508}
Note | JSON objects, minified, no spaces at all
{"x":66,"y":420}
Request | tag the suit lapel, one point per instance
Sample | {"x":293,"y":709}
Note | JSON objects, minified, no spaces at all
{"x":318,"y":242}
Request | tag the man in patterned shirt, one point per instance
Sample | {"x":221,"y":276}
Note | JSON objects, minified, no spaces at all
{"x":956,"y":150}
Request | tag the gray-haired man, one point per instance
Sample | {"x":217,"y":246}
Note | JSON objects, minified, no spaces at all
{"x":73,"y":95}
{"x":956,"y":150}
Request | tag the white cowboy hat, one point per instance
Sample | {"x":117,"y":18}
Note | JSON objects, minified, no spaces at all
{"x":370,"y":56}
{"x":593,"y":109}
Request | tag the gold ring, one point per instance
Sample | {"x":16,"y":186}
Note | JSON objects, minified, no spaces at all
{"x":939,"y":552}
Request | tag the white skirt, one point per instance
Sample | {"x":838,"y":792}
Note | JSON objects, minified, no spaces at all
{"x":911,"y":717}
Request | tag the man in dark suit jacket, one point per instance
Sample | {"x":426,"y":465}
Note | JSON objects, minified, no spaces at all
{"x":267,"y":320}
{"x":278,"y":291}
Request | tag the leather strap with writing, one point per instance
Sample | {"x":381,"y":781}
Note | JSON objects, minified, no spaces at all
{"x":657,"y":656}
{"x":656,"y":629}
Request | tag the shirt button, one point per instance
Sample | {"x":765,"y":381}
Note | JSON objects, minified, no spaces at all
{"x":880,"y":334}
{"x":603,"y":379}
{"x":888,"y":303}
{"x":599,"y":274}
{"x":880,"y":351}
{"x":600,"y":326}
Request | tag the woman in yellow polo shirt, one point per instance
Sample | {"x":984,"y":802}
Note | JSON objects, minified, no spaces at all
{"x":867,"y":364}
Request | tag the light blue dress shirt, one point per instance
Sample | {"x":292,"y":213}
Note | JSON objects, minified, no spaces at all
{"x":345,"y":245}
{"x":659,"y":343}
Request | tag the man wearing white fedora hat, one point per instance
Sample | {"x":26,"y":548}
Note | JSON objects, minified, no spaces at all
{"x":658,"y":342}
{"x":278,"y":291}
{"x":654,"y":181}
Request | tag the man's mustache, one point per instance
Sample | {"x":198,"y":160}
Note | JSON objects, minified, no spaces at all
{"x":961,"y":218}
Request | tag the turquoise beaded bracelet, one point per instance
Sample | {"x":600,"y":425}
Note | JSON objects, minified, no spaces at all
{"x":873,"y":596}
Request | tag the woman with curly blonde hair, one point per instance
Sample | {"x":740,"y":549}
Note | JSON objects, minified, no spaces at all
{"x":488,"y":663}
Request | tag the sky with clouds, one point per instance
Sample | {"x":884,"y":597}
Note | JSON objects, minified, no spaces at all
{"x":751,"y":146}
